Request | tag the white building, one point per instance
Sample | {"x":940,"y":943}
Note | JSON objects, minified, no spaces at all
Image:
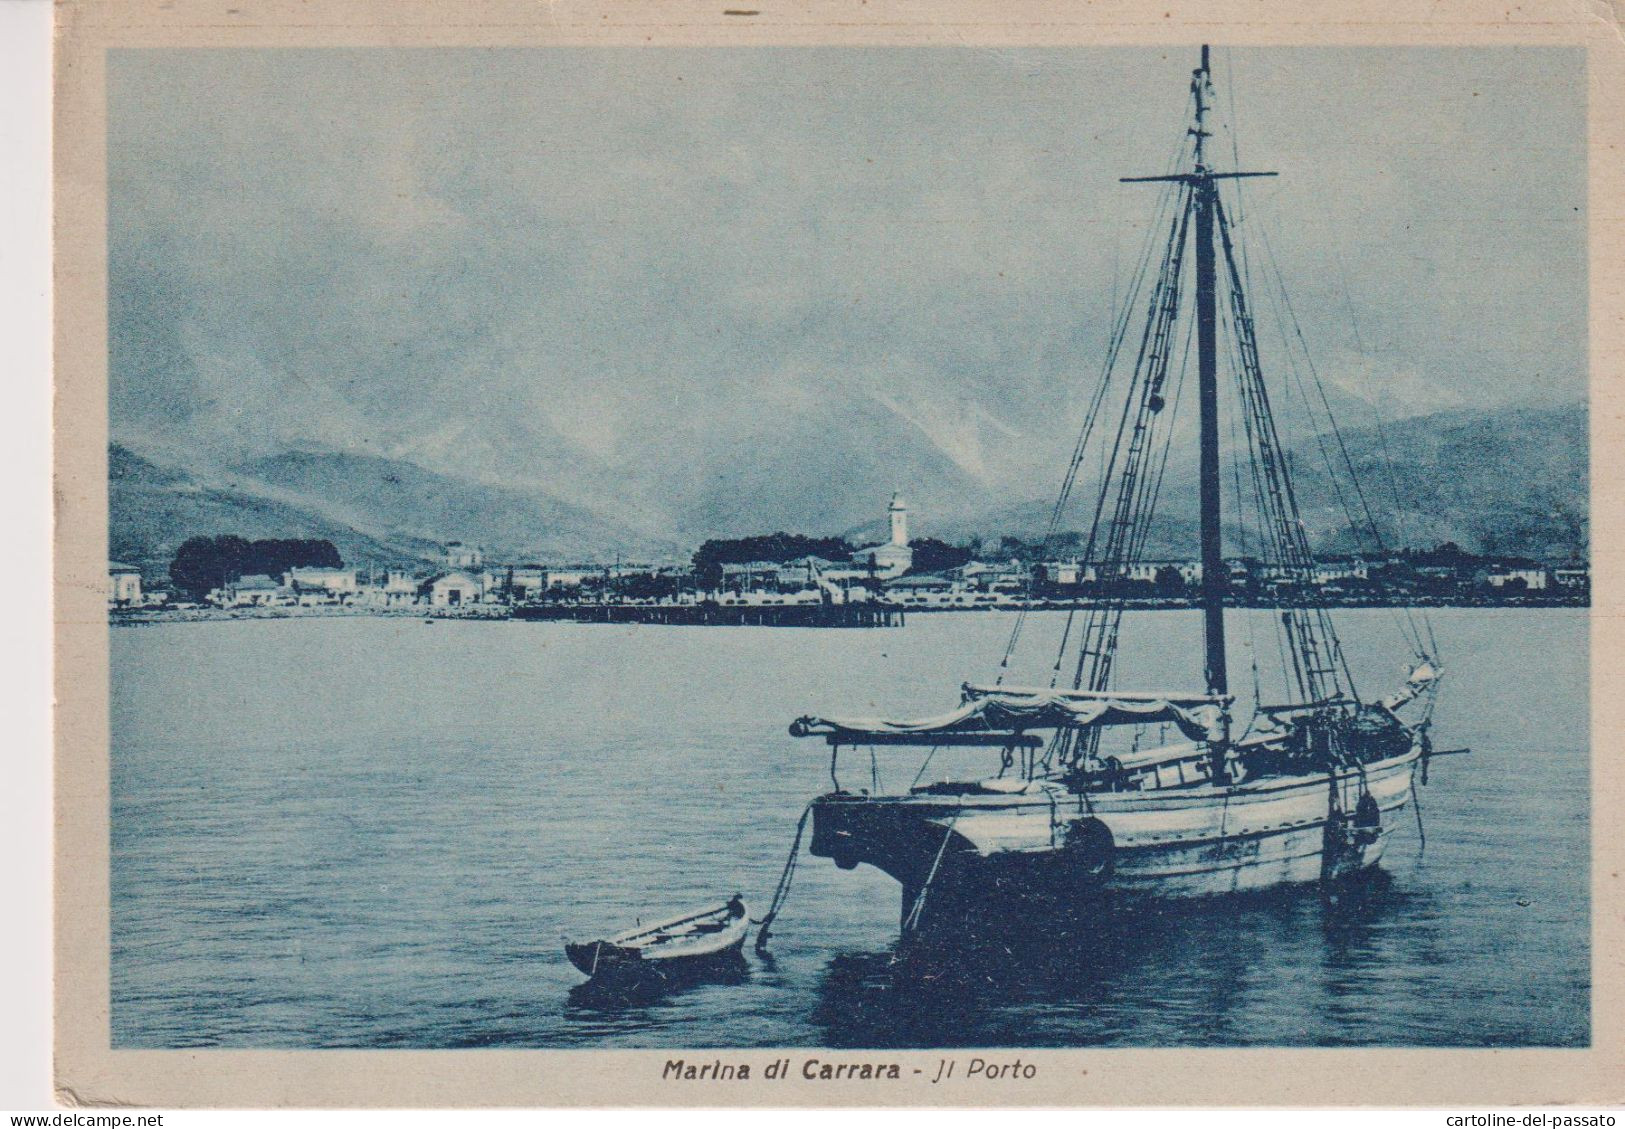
{"x":1534,"y":579}
{"x":751,"y":575}
{"x":322,"y":585}
{"x":525,"y":582}
{"x":454,"y":590}
{"x":514,"y":582}
{"x":1572,"y":576}
{"x":571,"y":577}
{"x":1189,"y":571}
{"x":994,"y":576}
{"x":928,"y":590}
{"x":255,"y":590}
{"x":1067,"y":572}
{"x":893,"y":557}
{"x":399,"y":588}
{"x":804,"y":572}
{"x":1328,"y":571}
{"x":459,"y":556}
{"x":123,"y":585}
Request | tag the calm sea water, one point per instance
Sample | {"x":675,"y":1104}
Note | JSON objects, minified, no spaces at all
{"x":374,"y":832}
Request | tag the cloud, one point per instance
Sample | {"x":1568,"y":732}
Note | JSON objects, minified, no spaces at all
{"x":566,"y":266}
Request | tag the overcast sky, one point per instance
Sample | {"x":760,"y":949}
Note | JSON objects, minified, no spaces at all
{"x":492,"y":260}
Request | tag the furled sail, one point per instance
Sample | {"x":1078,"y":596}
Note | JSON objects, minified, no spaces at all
{"x":1423,"y":675}
{"x":997,"y":709}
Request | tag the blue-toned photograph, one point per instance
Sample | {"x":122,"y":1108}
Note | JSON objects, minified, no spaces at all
{"x":853,"y":548}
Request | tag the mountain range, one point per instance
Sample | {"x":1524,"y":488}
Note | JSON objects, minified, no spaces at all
{"x":382,"y":512}
{"x":1510,"y":481}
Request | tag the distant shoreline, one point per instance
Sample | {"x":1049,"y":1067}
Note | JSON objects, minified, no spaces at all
{"x":138,"y":617}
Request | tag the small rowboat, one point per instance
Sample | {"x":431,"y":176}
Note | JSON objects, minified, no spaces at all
{"x":684,"y":945}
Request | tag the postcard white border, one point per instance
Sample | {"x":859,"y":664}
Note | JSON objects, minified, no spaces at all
{"x":88,"y":1071}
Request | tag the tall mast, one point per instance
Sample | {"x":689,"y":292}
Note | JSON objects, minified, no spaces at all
{"x":1203,"y":198}
{"x":1213,"y":576}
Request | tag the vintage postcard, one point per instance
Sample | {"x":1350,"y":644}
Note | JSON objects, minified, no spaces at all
{"x":839,"y":554}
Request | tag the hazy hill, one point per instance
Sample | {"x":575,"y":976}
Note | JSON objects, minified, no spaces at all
{"x":1512,"y":482}
{"x":819,"y":466}
{"x":152,"y":509}
{"x":396,"y":500}
{"x":377,"y":511}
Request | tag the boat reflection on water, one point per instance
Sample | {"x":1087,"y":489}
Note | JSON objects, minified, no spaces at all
{"x":1209,"y":960}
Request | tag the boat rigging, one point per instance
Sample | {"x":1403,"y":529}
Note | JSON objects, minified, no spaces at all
{"x":1307,"y":790}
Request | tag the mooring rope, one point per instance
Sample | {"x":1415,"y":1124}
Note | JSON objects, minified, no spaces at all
{"x":914,"y":912}
{"x":786,"y":877}
{"x":1416,"y":806}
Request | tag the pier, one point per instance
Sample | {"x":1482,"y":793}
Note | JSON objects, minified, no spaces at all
{"x":721,"y":615}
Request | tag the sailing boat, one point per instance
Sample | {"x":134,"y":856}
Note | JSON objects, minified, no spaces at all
{"x":1305,"y":791}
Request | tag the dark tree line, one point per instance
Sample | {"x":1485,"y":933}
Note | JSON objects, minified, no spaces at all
{"x":777,"y":547}
{"x":931,"y":555}
{"x":205,"y":563}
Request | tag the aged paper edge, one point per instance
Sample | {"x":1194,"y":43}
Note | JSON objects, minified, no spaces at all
{"x":88,"y":1072}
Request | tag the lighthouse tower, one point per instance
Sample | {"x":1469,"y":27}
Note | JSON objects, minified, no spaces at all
{"x":892,"y":557}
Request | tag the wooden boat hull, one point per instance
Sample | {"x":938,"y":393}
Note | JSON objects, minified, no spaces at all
{"x":605,"y":960}
{"x":1048,"y":847}
{"x":632,"y":957}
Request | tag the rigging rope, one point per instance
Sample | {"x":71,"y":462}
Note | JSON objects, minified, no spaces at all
{"x":1314,"y":636}
{"x":1244,"y":531}
{"x":1119,"y":335}
{"x":1266,"y":538}
{"x":1135,"y":468}
{"x":1408,"y":627}
{"x":925,"y":764}
{"x":1400,"y":512}
{"x":1122,"y":319}
{"x":1133,"y":463}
